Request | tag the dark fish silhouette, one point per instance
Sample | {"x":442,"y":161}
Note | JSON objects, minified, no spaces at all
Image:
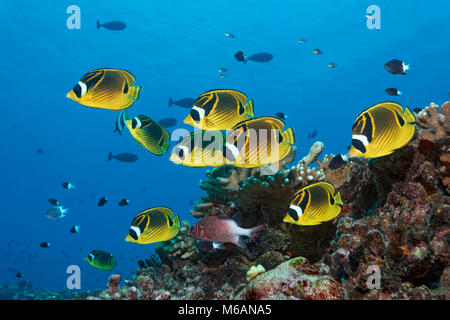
{"x":240,"y":56}
{"x":123,"y":157}
{"x":396,"y":67}
{"x":39,"y":151}
{"x":337,"y":162}
{"x":54,"y":202}
{"x":67,"y":185}
{"x":124,"y":202}
{"x":102,"y":201}
{"x":75,"y":229}
{"x":16,"y":272}
{"x":261,"y":57}
{"x":113,"y":25}
{"x":187,"y":103}
{"x":313,"y":134}
{"x":167,"y":122}
{"x":281,"y":115}
{"x":208,"y":246}
{"x":393,"y":91}
{"x":417,"y":110}
{"x":44,"y":245}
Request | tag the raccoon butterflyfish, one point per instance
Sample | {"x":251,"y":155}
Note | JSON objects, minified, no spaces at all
{"x":220,"y":110}
{"x":314,"y":204}
{"x":381,"y":129}
{"x":101,"y":260}
{"x":258,"y":141}
{"x":106,"y":89}
{"x":153,"y":225}
{"x":200,"y":149}
{"x":148,"y":133}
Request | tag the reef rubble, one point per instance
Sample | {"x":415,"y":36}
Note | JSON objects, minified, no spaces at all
{"x":390,"y":241}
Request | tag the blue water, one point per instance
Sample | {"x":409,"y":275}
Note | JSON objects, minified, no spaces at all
{"x":174,"y":49}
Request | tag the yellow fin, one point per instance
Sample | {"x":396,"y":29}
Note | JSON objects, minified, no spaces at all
{"x":409,"y":116}
{"x":176,"y":222}
{"x":134,"y":91}
{"x":165,"y":146}
{"x":248,"y":108}
{"x":338,"y":199}
{"x":289,"y":136}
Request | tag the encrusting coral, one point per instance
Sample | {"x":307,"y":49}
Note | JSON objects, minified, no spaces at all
{"x":395,"y":219}
{"x":254,"y":271}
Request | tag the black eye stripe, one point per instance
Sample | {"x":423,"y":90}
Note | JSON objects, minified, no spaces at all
{"x":293,"y":214}
{"x":358,"y":145}
{"x":195,"y":115}
{"x":77,"y":91}
{"x":133,"y":234}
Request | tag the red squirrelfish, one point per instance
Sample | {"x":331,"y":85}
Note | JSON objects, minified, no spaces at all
{"x":222,"y":230}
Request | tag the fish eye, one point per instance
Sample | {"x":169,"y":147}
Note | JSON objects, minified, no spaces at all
{"x":80,"y":89}
{"x":195,"y":115}
{"x":77,"y":91}
{"x":134,"y":233}
{"x":295,"y":212}
{"x":136,"y":123}
{"x":181,"y":152}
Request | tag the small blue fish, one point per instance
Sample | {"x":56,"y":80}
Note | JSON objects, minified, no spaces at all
{"x":168,"y":122}
{"x":184,"y":103}
{"x":261,"y":57}
{"x":123,"y":157}
{"x":113,"y":25}
{"x":56,"y":212}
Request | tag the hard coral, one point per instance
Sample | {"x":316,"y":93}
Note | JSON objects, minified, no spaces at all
{"x":293,"y":279}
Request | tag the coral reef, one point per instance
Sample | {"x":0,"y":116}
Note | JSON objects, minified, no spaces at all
{"x":294,"y":279}
{"x":391,"y":240}
{"x":24,"y":290}
{"x":254,"y":271}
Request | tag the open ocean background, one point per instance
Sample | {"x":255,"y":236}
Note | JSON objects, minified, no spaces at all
{"x":174,"y":49}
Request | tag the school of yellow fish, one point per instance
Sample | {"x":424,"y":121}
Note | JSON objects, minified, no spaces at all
{"x":248,"y":142}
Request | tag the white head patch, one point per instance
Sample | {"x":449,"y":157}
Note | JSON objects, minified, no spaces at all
{"x":234,"y":150}
{"x":201,"y":112}
{"x":136,"y":230}
{"x":361,"y":138}
{"x":83,"y":88}
{"x":297,"y":209}
{"x":138,"y":123}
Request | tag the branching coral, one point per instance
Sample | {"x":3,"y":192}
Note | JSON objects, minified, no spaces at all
{"x":436,"y":124}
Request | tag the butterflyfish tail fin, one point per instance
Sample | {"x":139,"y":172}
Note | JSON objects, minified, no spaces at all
{"x":176,"y":222}
{"x":338,"y":198}
{"x":165,"y":147}
{"x":248,"y":109}
{"x":98,"y":24}
{"x":170,"y":102}
{"x":110,"y":156}
{"x":134,"y":91}
{"x":289,"y":136}
{"x":409,"y":116}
